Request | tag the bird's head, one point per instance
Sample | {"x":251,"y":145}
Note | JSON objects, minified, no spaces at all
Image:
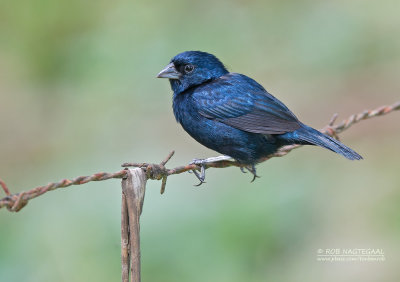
{"x":192,"y":68}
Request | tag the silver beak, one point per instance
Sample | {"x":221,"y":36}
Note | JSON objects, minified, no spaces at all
{"x":169,"y":72}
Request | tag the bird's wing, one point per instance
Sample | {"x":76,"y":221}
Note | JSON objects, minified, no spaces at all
{"x":241,"y":102}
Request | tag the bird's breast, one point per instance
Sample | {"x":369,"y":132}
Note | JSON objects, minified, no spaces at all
{"x":183,"y":108}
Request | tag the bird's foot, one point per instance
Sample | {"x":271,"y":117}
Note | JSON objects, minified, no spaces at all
{"x":200,"y":176}
{"x":202,"y":164}
{"x":252,"y":170}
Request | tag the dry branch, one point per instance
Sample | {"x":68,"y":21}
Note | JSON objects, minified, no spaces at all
{"x":15,"y":202}
{"x":133,"y":190}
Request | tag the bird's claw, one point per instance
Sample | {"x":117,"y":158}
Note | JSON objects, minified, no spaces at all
{"x":202,"y":175}
{"x":252,"y":170}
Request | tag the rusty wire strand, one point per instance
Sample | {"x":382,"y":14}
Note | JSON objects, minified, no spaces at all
{"x":15,"y":202}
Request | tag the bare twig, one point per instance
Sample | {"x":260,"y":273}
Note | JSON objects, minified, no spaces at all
{"x":14,"y":202}
{"x":5,"y":188}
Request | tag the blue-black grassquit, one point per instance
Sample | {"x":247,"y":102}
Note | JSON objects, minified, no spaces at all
{"x":233,"y":114}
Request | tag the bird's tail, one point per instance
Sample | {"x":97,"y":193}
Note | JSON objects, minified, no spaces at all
{"x":308,"y":135}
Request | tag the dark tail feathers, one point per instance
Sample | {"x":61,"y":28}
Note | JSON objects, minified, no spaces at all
{"x":311,"y":136}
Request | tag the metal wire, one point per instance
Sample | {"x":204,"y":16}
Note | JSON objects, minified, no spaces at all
{"x":15,"y":202}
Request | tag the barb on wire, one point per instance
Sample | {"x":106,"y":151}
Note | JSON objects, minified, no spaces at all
{"x":5,"y":188}
{"x":15,"y":202}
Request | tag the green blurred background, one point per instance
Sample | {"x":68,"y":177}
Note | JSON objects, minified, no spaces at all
{"x":78,"y":95}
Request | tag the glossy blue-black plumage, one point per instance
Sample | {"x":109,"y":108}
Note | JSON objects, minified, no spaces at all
{"x":233,"y":114}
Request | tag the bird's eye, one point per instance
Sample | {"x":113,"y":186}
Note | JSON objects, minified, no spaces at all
{"x":188,"y":68}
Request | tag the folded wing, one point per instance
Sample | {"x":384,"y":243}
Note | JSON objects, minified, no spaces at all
{"x":241,"y":102}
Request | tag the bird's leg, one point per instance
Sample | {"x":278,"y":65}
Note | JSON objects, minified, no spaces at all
{"x":203,"y":162}
{"x":212,"y":160}
{"x":242,"y":169}
{"x":253,"y":171}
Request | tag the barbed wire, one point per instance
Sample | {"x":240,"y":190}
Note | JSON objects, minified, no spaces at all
{"x":15,"y":202}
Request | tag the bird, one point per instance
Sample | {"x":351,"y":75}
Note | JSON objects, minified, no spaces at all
{"x":234,"y":115}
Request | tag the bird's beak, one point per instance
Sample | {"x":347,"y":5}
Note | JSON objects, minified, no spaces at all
{"x":169,"y":72}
